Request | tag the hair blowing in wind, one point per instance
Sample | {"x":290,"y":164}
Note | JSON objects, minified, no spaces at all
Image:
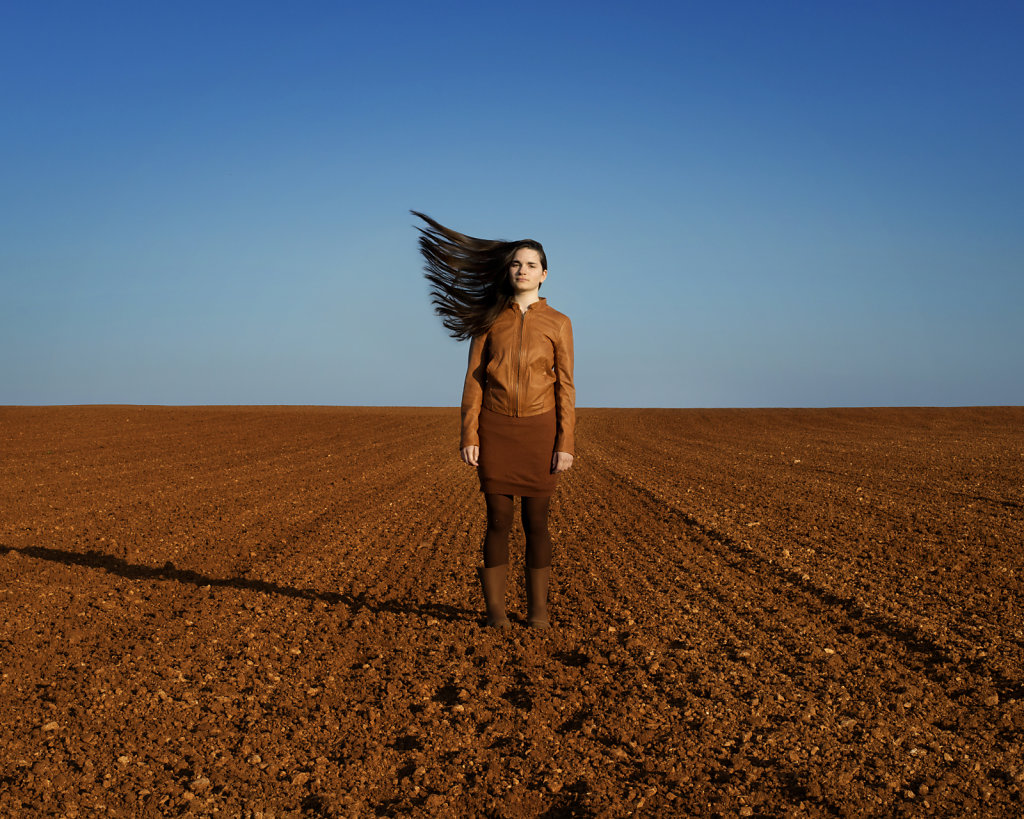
{"x":468,"y":276}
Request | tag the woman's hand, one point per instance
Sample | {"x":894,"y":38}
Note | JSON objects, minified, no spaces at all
{"x":561,"y":461}
{"x":471,"y":455}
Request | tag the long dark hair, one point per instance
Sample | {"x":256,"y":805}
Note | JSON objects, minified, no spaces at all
{"x":468,"y":276}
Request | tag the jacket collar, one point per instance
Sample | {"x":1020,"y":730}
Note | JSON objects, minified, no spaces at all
{"x":537,"y":305}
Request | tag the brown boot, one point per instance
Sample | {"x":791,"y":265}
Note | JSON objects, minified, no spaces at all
{"x":493,"y":580}
{"x":537,"y":597}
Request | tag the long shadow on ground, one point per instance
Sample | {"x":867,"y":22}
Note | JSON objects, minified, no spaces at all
{"x":94,"y":559}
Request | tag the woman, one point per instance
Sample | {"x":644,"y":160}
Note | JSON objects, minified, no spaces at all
{"x":518,"y":401}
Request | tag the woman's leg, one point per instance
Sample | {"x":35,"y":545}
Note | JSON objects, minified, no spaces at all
{"x":538,"y":560}
{"x":494,"y":574}
{"x":499,"y":525}
{"x":535,"y":527}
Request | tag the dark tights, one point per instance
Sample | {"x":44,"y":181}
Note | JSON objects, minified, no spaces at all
{"x":500,"y":513}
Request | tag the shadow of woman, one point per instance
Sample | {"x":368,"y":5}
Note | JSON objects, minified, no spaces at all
{"x":355,"y":603}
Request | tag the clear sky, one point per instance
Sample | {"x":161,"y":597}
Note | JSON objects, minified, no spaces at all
{"x":743,"y":203}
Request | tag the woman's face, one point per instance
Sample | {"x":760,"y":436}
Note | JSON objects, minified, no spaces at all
{"x":526,"y":271}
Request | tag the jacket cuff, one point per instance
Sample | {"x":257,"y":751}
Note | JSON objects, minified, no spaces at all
{"x":563,"y":445}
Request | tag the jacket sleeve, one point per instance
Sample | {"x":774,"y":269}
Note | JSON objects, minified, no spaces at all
{"x":473,"y":392}
{"x":565,"y":391}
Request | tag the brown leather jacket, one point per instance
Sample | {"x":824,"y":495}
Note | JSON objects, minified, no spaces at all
{"x":522,"y":366}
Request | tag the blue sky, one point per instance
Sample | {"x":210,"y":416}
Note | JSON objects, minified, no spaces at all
{"x":743,"y":203}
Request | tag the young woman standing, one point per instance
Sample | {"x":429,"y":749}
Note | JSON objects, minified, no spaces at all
{"x":518,"y":400}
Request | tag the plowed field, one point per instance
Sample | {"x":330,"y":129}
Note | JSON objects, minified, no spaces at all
{"x":274,"y":612}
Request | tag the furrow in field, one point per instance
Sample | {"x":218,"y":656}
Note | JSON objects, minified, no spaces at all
{"x":661,"y":561}
{"x":898,"y":625}
{"x":747,"y":568}
{"x":893,"y":588}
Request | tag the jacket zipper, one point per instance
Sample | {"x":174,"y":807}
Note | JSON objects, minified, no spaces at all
{"x":519,"y":363}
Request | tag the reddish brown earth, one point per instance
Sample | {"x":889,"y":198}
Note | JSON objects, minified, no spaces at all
{"x":274,"y":612}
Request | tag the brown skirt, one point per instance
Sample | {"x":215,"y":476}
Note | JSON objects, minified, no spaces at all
{"x":515,"y":454}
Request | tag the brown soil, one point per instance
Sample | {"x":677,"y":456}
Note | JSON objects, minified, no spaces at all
{"x":274,"y":612}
